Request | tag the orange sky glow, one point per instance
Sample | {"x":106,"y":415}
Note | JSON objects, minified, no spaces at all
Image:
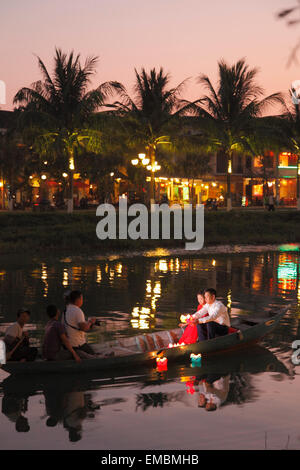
{"x":186,"y":37}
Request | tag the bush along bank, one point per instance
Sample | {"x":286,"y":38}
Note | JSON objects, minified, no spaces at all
{"x":59,"y":232}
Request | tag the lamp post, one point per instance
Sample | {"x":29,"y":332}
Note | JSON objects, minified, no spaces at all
{"x":141,"y":161}
{"x":70,"y":203}
{"x":153,"y":168}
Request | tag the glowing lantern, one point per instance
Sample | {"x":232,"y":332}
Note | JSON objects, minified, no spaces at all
{"x":162,"y":364}
{"x":190,"y":387}
{"x":196,"y":360}
{"x":175,"y":345}
{"x":185,"y":318}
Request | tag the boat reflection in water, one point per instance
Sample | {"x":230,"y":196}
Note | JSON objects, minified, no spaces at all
{"x":220,"y":381}
{"x":71,"y":400}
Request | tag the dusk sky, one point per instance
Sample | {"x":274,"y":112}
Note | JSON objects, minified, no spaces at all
{"x":185,"y":37}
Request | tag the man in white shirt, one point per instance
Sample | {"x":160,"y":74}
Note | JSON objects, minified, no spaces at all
{"x":216,"y":322}
{"x":76,"y":326}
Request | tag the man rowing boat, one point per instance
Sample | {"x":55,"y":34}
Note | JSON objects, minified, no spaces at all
{"x":17,"y":340}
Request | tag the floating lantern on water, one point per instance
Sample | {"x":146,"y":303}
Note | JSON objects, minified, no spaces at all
{"x":162,"y":364}
{"x":190,"y":387}
{"x":175,"y":345}
{"x":196,"y":360}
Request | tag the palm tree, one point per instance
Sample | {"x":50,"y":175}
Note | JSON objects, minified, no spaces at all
{"x":229,"y":114}
{"x":150,"y":118}
{"x":58,"y":109}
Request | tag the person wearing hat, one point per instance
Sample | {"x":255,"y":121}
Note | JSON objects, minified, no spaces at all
{"x":17,"y":340}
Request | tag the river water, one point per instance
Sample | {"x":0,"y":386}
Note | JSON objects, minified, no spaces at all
{"x":255,"y":392}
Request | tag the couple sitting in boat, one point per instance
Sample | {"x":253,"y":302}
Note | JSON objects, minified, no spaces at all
{"x":210,"y":320}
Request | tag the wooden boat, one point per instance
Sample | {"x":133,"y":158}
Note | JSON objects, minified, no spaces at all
{"x":143,"y":349}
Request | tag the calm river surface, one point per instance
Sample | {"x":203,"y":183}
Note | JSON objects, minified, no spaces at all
{"x":257,"y":391}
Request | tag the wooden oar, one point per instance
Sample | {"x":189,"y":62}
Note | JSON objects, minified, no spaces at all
{"x":10,"y":353}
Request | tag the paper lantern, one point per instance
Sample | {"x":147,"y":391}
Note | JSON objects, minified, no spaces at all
{"x":196,"y":360}
{"x":162,"y":364}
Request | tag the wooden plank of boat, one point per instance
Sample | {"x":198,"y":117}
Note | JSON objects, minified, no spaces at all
{"x":145,"y":348}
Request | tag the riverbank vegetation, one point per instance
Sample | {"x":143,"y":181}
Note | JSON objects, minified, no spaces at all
{"x":59,"y":232}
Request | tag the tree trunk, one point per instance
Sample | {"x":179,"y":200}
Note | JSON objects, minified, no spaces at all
{"x":277,"y":188}
{"x":9,"y":195}
{"x":70,"y":201}
{"x":3,"y":192}
{"x":152,"y":182}
{"x":298,"y":183}
{"x":229,"y":171}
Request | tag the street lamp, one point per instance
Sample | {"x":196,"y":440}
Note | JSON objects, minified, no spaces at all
{"x":144,"y":161}
{"x":153,"y":168}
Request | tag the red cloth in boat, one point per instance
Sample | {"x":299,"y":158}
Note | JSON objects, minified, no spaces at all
{"x":190,"y":334}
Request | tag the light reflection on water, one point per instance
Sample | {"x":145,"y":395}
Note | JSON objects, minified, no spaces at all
{"x":257,"y":391}
{"x":143,"y":289}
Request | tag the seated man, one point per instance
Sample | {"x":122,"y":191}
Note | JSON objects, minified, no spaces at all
{"x":76,"y":326}
{"x":55,"y":338}
{"x":17,"y":341}
{"x":217,"y":322}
